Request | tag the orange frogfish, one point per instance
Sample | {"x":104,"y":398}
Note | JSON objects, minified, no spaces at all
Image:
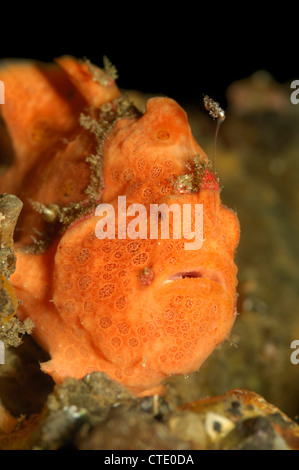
{"x":141,"y":307}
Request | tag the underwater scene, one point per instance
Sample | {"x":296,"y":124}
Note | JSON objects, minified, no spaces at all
{"x":149,"y":259}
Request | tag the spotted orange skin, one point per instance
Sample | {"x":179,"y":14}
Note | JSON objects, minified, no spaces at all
{"x":110,"y":305}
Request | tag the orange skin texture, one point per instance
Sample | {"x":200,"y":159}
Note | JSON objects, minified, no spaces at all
{"x":111,"y":305}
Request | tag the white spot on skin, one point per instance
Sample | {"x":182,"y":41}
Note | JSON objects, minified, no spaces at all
{"x":143,"y":363}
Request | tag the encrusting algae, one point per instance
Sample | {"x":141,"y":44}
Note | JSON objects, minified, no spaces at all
{"x":138,"y":309}
{"x":11,"y":328}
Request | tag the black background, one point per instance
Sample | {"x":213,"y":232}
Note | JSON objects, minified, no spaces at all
{"x":181,"y":50}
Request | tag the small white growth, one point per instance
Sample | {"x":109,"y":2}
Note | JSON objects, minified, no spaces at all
{"x":73,"y":411}
{"x":217,"y":425}
{"x":156,"y":404}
